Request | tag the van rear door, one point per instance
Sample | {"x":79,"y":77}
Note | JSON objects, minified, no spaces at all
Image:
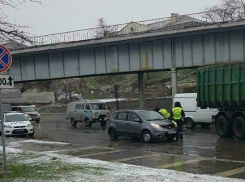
{"x":189,"y":106}
{"x":79,"y":115}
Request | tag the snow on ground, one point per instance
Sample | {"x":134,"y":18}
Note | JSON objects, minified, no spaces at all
{"x":43,"y":142}
{"x":118,"y":171}
{"x":12,"y":150}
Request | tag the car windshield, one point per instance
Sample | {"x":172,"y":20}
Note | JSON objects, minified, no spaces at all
{"x":15,"y":117}
{"x":98,"y":106}
{"x":28,"y":109}
{"x":150,"y":115}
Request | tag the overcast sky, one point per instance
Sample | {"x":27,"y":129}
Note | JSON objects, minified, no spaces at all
{"x":68,"y":15}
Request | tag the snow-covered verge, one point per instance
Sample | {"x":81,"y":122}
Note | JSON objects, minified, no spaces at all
{"x":69,"y":168}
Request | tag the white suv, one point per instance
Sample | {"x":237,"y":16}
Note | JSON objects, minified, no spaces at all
{"x":17,"y":124}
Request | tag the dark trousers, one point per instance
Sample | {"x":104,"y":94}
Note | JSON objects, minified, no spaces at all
{"x":179,"y":128}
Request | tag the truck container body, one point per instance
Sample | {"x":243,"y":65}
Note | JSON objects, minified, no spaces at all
{"x":223,"y":87}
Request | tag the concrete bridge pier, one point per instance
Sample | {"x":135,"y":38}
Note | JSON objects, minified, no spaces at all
{"x":141,"y":89}
{"x":174,"y":82}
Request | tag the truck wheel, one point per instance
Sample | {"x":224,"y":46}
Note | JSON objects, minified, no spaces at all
{"x":88,"y":122}
{"x":223,"y":128}
{"x":239,"y":128}
{"x":73,"y":122}
{"x":205,"y":125}
{"x":190,"y":123}
{"x":113,"y":134}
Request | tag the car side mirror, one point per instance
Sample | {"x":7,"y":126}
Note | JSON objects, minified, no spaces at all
{"x":137,"y":120}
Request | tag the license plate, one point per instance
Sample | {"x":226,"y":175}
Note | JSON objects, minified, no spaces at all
{"x":21,"y":130}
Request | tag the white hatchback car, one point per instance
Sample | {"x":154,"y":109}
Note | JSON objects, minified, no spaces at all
{"x":17,"y":124}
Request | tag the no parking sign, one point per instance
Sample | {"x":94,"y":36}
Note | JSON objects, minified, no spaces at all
{"x":5,"y":59}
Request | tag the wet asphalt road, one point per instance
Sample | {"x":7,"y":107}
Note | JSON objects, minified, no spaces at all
{"x":201,"y":151}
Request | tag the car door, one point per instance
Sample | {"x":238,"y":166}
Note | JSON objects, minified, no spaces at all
{"x":132,"y":127}
{"x":78,"y":115}
{"x":121,"y":122}
{"x":87,"y":112}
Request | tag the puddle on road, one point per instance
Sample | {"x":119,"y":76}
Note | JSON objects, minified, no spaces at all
{"x":86,"y":150}
{"x":92,"y":129}
{"x":208,"y":167}
{"x":40,"y":146}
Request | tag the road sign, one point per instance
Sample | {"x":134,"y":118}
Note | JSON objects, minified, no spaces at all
{"x":6,"y":81}
{"x":89,"y":85}
{"x":5,"y":59}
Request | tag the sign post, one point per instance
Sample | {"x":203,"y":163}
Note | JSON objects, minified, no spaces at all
{"x":7,"y":82}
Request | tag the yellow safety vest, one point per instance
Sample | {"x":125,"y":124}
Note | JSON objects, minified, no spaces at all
{"x":164,"y":113}
{"x":177,"y":113}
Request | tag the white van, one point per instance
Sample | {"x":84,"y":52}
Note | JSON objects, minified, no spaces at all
{"x":194,"y":115}
{"x":88,"y":112}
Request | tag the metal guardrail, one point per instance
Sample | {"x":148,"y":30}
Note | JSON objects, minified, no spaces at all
{"x":126,"y":29}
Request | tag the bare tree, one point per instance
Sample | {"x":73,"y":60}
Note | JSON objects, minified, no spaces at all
{"x":70,"y":86}
{"x":12,"y":32}
{"x":228,"y":10}
{"x":102,"y":28}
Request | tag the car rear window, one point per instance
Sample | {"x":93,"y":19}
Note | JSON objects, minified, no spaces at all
{"x":122,"y":116}
{"x":79,"y":106}
{"x":114,"y":116}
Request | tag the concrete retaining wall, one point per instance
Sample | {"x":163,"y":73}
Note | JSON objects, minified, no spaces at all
{"x":149,"y":104}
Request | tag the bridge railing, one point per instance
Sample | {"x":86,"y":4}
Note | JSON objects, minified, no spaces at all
{"x":126,"y":29}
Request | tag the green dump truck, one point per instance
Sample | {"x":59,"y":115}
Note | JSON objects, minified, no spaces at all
{"x":223,"y":87}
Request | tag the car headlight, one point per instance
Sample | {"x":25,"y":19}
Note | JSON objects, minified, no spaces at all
{"x":27,"y":115}
{"x":156,"y":126}
{"x":8,"y":126}
{"x":38,"y":115}
{"x":29,"y":125}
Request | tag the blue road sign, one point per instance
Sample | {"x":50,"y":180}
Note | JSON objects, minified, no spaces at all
{"x":5,"y":59}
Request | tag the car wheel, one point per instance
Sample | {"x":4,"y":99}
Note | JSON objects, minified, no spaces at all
{"x":146,"y":136}
{"x":223,"y":127}
{"x":239,"y":128}
{"x":73,"y":122}
{"x":88,"y":122}
{"x":113,"y":134}
{"x":205,"y":125}
{"x":190,"y":123}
